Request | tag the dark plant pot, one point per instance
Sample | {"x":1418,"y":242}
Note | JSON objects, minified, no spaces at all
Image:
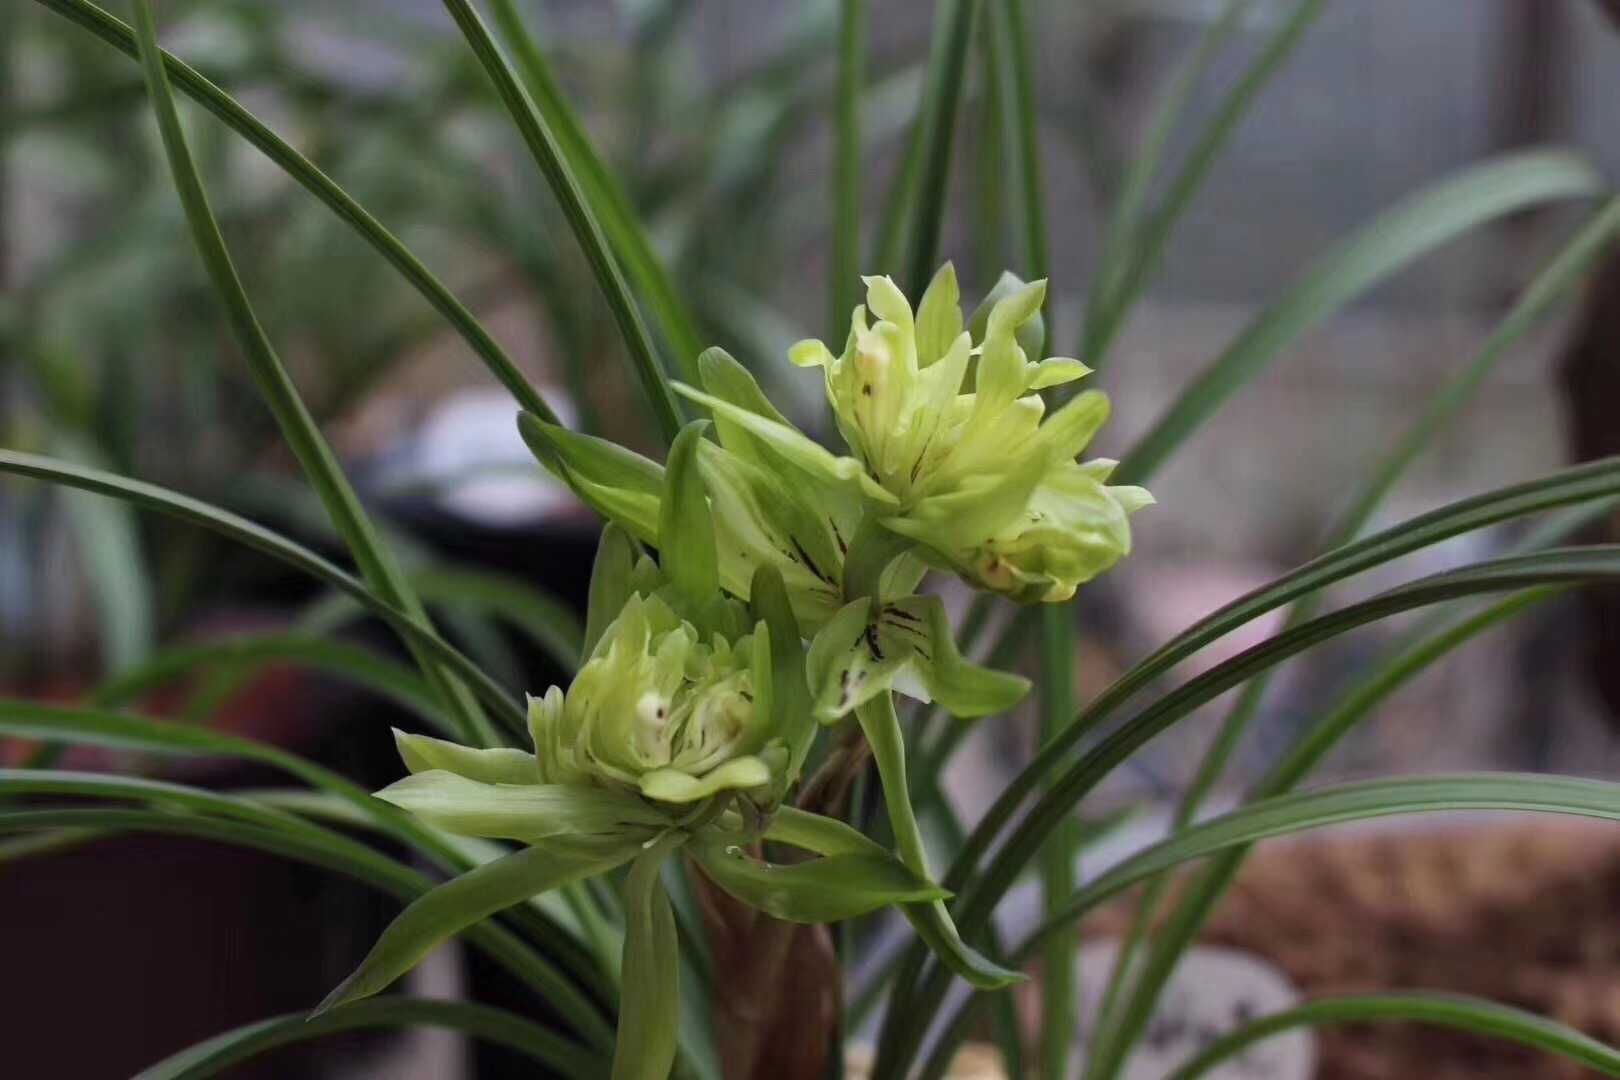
{"x":153,"y":943}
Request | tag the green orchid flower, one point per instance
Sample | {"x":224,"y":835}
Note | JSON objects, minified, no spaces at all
{"x":796,"y":514}
{"x":683,"y":731}
{"x":957,"y":438}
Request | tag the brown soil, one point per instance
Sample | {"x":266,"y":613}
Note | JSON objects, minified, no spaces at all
{"x":1528,"y":915}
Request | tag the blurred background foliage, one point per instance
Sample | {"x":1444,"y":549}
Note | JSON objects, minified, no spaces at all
{"x":713,"y":120}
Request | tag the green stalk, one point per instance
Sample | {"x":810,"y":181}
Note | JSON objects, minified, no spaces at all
{"x":554,"y":166}
{"x":846,"y":239}
{"x":275,"y":385}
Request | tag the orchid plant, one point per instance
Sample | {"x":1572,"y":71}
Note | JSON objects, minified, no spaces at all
{"x":760,"y":600}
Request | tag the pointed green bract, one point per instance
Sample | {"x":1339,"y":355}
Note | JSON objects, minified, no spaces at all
{"x":686,"y":550}
{"x":619,"y":484}
{"x":791,"y":717}
{"x":823,"y":890}
{"x":612,"y":582}
{"x":497,"y":765}
{"x":529,"y":812}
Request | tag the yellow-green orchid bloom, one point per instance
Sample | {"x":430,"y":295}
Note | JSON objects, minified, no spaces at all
{"x":957,"y":437}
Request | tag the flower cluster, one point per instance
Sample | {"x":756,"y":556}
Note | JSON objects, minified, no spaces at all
{"x":784,"y":595}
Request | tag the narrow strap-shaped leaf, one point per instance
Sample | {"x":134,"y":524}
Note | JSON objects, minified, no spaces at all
{"x":1178,"y":929}
{"x":1456,"y":1011}
{"x":95,"y":727}
{"x":297,"y":426}
{"x":1587,"y":483}
{"x":827,"y":889}
{"x":342,"y":856}
{"x":1287,"y":814}
{"x":1145,"y":247}
{"x":541,"y":617}
{"x":109,"y":548}
{"x":844,"y":266}
{"x":190,"y":82}
{"x":649,"y":1007}
{"x":606,"y":196}
{"x":1394,"y":239}
{"x":251,"y":652}
{"x":195,"y":511}
{"x":182,"y":797}
{"x":1551,"y":284}
{"x":983,"y":891}
{"x":1125,"y":218}
{"x":931,"y":920}
{"x":942,"y":94}
{"x":576,"y":207}
{"x":1594,"y":481}
{"x":463,"y":901}
{"x":231,"y":1048}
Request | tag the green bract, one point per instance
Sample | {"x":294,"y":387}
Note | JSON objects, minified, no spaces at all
{"x":968,"y":464}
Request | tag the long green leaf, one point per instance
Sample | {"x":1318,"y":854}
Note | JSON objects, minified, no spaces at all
{"x":1594,"y":481}
{"x":1564,"y":567}
{"x":1125,"y":219}
{"x":1395,"y":238}
{"x":252,"y":652}
{"x":234,"y":1047}
{"x":1287,"y":814}
{"x":606,"y":195}
{"x":174,"y":504}
{"x":109,"y":546}
{"x":845,"y":265}
{"x":942,"y":95}
{"x":1445,"y":1010}
{"x":1290,"y":814}
{"x":190,"y":82}
{"x":577,"y":208}
{"x":1557,"y":568}
{"x":340,"y":855}
{"x":544,"y":619}
{"x":1551,"y":284}
{"x":297,"y":426}
{"x":1194,"y":908}
{"x":1144,"y":248}
{"x":465,"y":901}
